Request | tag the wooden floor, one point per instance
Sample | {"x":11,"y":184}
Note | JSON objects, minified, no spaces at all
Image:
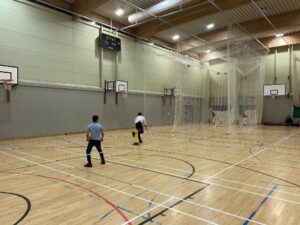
{"x":200,"y":175}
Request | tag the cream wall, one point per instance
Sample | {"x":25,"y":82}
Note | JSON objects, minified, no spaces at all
{"x":49,"y":47}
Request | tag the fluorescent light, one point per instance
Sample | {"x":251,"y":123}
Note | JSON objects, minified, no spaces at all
{"x":119,"y":12}
{"x":175,"y":37}
{"x":210,"y":26}
{"x":279,"y":35}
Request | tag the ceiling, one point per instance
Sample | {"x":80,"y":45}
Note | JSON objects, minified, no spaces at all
{"x":259,"y":20}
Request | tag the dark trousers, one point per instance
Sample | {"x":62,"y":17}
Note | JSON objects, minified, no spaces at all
{"x":91,"y":144}
{"x":139,"y":127}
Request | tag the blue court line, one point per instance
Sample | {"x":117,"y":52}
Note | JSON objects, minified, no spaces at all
{"x":150,"y":203}
{"x":260,"y":205}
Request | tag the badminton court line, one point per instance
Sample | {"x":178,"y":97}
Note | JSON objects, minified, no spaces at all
{"x":110,"y":188}
{"x":51,"y":161}
{"x":21,"y":173}
{"x":216,"y":178}
{"x":237,"y":163}
{"x":187,"y":201}
{"x":219,"y":185}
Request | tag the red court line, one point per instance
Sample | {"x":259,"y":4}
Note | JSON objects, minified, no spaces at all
{"x":89,"y":190}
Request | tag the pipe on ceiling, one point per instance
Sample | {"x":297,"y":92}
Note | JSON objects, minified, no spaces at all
{"x":157,"y":8}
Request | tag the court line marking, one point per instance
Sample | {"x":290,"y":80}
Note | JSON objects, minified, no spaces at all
{"x":149,"y":210}
{"x":224,"y":186}
{"x":51,"y":161}
{"x":187,"y":201}
{"x":108,"y":187}
{"x":21,"y":173}
{"x":216,"y":178}
{"x":219,"y":185}
{"x":264,"y":149}
{"x":262,"y":202}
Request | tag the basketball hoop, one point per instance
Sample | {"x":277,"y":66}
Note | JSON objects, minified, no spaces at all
{"x":7,"y":86}
{"x":273,"y":96}
{"x":124,"y":93}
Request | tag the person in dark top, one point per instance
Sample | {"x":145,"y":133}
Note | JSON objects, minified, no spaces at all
{"x":288,"y":120}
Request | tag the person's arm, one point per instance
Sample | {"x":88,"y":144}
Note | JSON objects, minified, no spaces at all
{"x":88,"y":135}
{"x":145,"y":124}
{"x":102,"y":134}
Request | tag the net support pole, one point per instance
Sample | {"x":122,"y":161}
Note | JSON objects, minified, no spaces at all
{"x":8,"y":95}
{"x":104,"y":95}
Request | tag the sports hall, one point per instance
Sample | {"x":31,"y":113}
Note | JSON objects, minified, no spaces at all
{"x":218,"y":82}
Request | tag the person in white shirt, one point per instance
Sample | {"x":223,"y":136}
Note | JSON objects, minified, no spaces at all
{"x":140,"y":122}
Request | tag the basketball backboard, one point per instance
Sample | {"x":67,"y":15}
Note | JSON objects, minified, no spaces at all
{"x":274,"y":90}
{"x":121,"y":86}
{"x":9,"y":73}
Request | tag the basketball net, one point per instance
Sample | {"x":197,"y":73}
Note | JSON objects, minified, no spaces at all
{"x":7,"y":86}
{"x":124,"y":93}
{"x":273,"y":96}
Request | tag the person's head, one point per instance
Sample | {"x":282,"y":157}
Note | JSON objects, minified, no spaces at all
{"x":95,"y":118}
{"x":140,"y":114}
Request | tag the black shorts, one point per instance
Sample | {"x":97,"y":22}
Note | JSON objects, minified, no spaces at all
{"x":139,"y":127}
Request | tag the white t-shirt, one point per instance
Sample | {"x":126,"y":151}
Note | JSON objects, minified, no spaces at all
{"x":140,"y":119}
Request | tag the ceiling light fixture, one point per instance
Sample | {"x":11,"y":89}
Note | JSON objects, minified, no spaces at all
{"x":210,"y":26}
{"x":175,"y":37}
{"x":119,"y":12}
{"x":208,"y":51}
{"x":93,"y":22}
{"x":279,"y":35}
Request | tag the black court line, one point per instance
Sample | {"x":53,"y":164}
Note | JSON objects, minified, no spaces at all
{"x":227,"y":163}
{"x":270,"y":163}
{"x":210,"y":159}
{"x":191,"y":165}
{"x":27,"y":202}
{"x":158,"y":172}
{"x":150,"y":219}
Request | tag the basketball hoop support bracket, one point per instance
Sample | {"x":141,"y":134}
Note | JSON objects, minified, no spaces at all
{"x":168,"y":92}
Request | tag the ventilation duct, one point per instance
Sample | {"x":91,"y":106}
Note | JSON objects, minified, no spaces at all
{"x":157,"y":8}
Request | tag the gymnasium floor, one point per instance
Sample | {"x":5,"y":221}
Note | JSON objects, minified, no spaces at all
{"x":204,"y":175}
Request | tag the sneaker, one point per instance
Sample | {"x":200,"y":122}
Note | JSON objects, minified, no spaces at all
{"x":88,"y":165}
{"x":140,"y":141}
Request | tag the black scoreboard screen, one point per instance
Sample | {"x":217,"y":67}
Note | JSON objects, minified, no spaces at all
{"x":110,"y":42}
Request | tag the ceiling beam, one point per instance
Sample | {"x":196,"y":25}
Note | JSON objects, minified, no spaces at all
{"x":86,"y":6}
{"x":103,"y":20}
{"x":162,"y":42}
{"x":96,"y":17}
{"x":255,"y":27}
{"x":185,"y":16}
{"x":60,"y":3}
{"x":278,"y":42}
{"x":271,"y":42}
